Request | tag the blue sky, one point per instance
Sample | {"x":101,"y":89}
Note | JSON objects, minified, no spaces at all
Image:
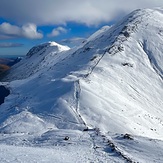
{"x":24,"y":24}
{"x":20,"y":46}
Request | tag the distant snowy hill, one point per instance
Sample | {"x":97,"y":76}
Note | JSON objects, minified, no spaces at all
{"x":73,"y":42}
{"x":110,"y":85}
{"x":36,"y":59}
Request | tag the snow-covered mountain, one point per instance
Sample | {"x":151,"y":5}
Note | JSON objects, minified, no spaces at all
{"x":37,"y":58}
{"x":111,"y":84}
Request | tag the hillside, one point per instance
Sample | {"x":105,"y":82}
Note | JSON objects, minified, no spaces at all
{"x":6,"y":63}
{"x":3,"y":68}
{"x":110,"y":85}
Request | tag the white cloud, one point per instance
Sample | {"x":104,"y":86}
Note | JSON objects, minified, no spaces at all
{"x":57,"y":31}
{"x":29,"y":31}
{"x":90,"y":12}
{"x":8,"y":31}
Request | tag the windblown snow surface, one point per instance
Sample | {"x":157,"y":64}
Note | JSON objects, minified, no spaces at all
{"x":99,"y":102}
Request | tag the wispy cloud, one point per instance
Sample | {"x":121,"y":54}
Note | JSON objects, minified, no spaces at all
{"x":57,"y":31}
{"x":90,"y":12}
{"x":8,"y":31}
{"x":9,"y":45}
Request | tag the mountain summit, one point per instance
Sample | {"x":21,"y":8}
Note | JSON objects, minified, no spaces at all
{"x":111,"y":84}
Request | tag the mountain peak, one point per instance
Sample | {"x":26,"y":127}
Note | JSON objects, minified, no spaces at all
{"x":49,"y":45}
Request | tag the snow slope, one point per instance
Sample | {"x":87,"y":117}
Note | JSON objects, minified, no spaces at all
{"x":110,"y":84}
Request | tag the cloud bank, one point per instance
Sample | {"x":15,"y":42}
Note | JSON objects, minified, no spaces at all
{"x":50,"y":12}
{"x":8,"y":31}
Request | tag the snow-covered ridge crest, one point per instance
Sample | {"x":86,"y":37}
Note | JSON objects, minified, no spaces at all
{"x":57,"y":47}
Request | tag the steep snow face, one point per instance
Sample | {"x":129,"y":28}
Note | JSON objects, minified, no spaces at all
{"x":112,"y":82}
{"x":124,"y":91}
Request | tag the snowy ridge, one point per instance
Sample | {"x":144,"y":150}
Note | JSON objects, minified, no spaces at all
{"x":39,"y":57}
{"x":94,"y":94}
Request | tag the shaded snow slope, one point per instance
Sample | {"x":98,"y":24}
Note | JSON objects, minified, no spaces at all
{"x":113,"y":82}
